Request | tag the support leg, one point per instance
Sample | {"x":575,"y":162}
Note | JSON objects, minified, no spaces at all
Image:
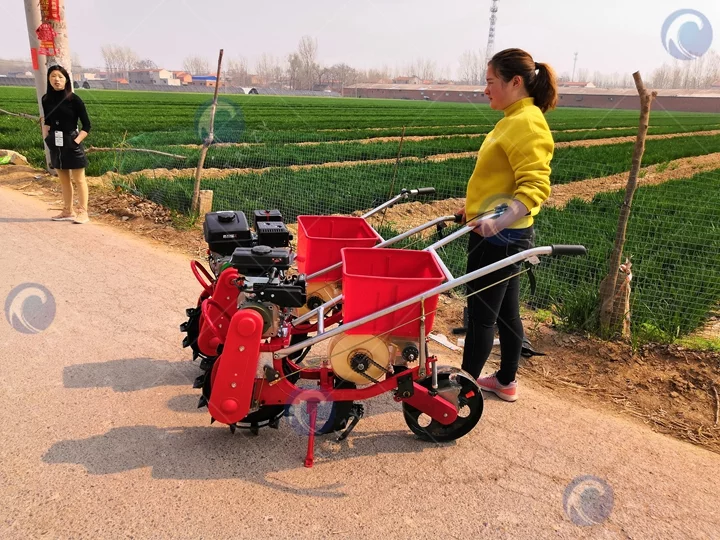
{"x":312,"y":412}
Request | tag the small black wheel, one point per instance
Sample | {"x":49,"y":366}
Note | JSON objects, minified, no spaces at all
{"x":467,"y":399}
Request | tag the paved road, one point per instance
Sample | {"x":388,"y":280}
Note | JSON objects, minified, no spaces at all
{"x":101,"y":437}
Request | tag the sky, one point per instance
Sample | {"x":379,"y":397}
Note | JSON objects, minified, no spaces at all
{"x":611,"y":36}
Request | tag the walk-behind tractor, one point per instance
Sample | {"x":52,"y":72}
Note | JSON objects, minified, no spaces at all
{"x":263,"y":306}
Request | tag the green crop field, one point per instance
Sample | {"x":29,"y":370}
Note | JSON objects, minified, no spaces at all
{"x":158,"y":121}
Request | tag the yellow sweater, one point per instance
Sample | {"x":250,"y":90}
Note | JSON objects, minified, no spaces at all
{"x":513,"y":163}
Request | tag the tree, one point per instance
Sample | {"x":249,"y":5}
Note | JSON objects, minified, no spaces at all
{"x":343,"y":74}
{"x":309,"y":69}
{"x":119,"y":60}
{"x":425,"y":69}
{"x":293,"y":71}
{"x":145,"y":64}
{"x":269,"y":70}
{"x":237,"y":73}
{"x":196,"y":65}
{"x":110,"y":57}
{"x":76,"y":61}
{"x":470,"y":71}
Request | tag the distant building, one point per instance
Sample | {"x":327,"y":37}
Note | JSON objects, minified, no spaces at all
{"x":153,"y":76}
{"x":407,"y":80}
{"x":183,"y":76}
{"x":575,"y":84}
{"x":204,"y":80}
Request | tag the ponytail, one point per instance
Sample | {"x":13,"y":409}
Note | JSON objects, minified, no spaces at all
{"x":543,"y":87}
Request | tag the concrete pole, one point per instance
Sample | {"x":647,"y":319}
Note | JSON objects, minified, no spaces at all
{"x":34,"y":19}
{"x":62,"y":44}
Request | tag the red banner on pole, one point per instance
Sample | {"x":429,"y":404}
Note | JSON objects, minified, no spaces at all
{"x":50,"y":10}
{"x":46,"y":34}
{"x":34,"y":56}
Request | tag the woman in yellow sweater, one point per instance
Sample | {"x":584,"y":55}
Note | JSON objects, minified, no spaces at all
{"x":513,"y":167}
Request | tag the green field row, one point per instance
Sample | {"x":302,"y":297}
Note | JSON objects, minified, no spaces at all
{"x":345,"y":189}
{"x":260,"y":156}
{"x":247,"y":118}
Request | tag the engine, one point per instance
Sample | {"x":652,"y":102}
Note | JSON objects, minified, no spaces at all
{"x":262,"y":259}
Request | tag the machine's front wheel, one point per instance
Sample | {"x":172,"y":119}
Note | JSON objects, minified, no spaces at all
{"x":468,"y":401}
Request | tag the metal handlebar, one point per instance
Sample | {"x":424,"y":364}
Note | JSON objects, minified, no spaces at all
{"x":404,"y":194}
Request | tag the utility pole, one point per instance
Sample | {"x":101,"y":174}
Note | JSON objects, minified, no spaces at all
{"x":55,"y":50}
{"x":34,"y":19}
{"x":572,"y":79}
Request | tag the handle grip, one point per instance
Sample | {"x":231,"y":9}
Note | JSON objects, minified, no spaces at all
{"x":426,"y":190}
{"x":568,"y":250}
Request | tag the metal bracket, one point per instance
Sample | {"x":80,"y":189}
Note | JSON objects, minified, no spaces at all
{"x":405,"y":388}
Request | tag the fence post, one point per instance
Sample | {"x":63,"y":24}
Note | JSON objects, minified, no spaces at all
{"x":194,"y":207}
{"x":205,"y":203}
{"x":608,"y":304}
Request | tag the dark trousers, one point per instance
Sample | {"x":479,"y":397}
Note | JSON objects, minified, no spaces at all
{"x":496,"y":304}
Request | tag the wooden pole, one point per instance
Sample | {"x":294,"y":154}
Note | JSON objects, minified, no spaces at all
{"x":608,"y":305}
{"x":194,"y":206}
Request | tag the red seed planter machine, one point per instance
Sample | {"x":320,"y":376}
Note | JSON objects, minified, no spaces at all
{"x":263,"y":306}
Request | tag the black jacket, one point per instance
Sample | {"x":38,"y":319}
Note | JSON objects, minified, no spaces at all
{"x":63,"y":115}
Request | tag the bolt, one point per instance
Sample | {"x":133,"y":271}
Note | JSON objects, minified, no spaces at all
{"x":233,"y":385}
{"x":242,"y":348}
{"x":444,"y":415}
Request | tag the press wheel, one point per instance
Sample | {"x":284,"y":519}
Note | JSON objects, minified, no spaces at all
{"x":468,"y":401}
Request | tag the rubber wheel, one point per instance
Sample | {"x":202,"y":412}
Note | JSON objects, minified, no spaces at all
{"x":468,"y":400}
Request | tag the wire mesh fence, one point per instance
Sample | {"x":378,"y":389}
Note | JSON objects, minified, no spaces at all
{"x":672,"y":237}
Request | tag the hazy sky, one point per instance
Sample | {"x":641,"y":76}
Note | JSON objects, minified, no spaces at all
{"x":614,"y":35}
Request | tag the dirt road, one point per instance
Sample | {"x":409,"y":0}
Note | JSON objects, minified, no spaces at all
{"x":101,"y":437}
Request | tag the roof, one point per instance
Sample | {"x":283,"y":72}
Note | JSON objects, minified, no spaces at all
{"x":709,"y":92}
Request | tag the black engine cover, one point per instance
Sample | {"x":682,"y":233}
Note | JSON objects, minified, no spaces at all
{"x":273,"y":234}
{"x":226,"y":231}
{"x":257,"y":261}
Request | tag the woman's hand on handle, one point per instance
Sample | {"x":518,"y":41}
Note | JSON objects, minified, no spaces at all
{"x":491,"y":227}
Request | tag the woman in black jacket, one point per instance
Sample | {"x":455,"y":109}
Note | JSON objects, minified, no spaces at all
{"x":61,"y":111}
